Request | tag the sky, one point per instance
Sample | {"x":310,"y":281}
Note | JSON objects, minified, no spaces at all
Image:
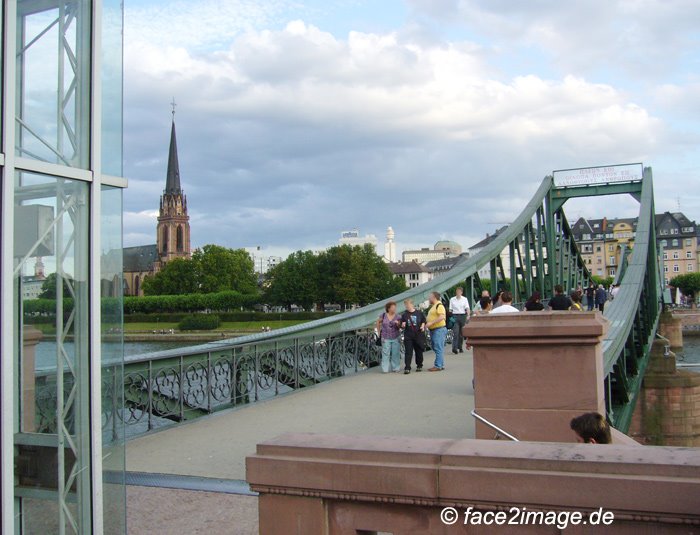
{"x":299,"y":119}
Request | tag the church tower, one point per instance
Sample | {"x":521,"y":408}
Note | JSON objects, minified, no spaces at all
{"x":173,"y":233}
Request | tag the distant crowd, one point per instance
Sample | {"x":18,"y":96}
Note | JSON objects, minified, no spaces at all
{"x":414,"y":325}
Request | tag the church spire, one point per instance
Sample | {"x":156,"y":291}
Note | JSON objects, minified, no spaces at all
{"x":172,"y":182}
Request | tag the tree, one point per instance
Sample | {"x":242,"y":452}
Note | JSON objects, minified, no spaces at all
{"x":178,"y":277}
{"x":295,"y":281}
{"x":605,"y":281}
{"x":344,"y":275}
{"x":48,"y":288}
{"x":211,"y":269}
{"x":688,"y":284}
{"x":220,"y":269}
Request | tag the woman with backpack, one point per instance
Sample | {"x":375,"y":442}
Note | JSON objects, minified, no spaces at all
{"x":437,"y":316}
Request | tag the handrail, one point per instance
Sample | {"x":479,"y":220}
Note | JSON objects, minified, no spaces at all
{"x":493,"y":426}
{"x":621,"y":311}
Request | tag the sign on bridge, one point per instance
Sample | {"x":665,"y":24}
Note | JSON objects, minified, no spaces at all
{"x":598,"y":175}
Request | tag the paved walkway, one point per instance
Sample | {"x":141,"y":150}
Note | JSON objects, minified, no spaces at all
{"x":369,"y":403}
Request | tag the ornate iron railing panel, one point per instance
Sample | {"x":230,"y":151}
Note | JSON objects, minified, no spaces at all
{"x":165,"y":391}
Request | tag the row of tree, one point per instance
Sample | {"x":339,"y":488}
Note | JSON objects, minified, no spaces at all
{"x":212,"y":269}
{"x":341,"y":275}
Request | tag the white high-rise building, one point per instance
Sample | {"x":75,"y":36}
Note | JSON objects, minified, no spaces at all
{"x":390,"y":246}
{"x":352,"y":237}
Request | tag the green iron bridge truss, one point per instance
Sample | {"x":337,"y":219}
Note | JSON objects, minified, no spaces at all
{"x":172,"y":386}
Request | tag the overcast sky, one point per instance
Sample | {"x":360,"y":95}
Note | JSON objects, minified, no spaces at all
{"x":298,"y":119}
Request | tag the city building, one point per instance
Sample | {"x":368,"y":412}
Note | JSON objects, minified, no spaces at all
{"x":33,"y":285}
{"x":413,"y":273}
{"x":680,"y":239}
{"x":352,"y":238}
{"x":436,"y":267}
{"x":485,"y":272}
{"x":602,"y":242}
{"x":441,"y":250}
{"x":61,"y":212}
{"x":262,"y":263}
{"x":172,"y":230}
{"x":390,"y":246}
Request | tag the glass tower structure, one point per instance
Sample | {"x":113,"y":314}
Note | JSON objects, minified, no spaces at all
{"x":62,"y":440}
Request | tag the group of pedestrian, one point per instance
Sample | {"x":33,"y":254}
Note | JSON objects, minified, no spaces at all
{"x":414,"y":324}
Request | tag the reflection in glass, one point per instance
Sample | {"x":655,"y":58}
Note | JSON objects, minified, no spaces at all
{"x":112,"y":90}
{"x":53,"y":81}
{"x":52,"y":436}
{"x":113,"y":439}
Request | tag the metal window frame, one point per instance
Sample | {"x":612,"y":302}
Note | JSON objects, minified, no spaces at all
{"x":9,"y":164}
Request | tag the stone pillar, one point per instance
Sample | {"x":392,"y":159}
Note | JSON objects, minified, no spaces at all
{"x":668,"y":406}
{"x":31,"y":338}
{"x":672,"y":329}
{"x":535,"y":371}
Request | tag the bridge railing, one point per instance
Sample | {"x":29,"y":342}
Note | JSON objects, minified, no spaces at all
{"x":171,"y":387}
{"x":633,"y":316}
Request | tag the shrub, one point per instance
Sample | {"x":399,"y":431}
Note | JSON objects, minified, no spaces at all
{"x":199,"y":322}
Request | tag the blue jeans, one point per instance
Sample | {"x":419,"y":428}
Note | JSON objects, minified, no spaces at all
{"x":437,"y":341}
{"x":391,"y":355}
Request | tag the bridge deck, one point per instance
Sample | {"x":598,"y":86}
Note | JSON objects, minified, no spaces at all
{"x":369,"y":403}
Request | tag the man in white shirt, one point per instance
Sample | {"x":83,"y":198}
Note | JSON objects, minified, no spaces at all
{"x":507,"y":306}
{"x":459,"y":306}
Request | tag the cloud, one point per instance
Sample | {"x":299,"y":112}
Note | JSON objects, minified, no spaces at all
{"x":289,"y":136}
{"x":639,"y":37}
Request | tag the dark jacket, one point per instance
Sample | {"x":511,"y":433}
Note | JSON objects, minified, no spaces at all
{"x":601,"y":296}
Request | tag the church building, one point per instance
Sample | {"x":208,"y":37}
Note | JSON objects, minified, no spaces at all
{"x":172,"y":230}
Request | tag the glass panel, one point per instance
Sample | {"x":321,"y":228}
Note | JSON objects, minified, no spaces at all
{"x":52,"y":431}
{"x":113,"y":440}
{"x":53,"y":81}
{"x":112,"y":94}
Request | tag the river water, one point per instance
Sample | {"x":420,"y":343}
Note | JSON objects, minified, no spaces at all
{"x":46,"y":350}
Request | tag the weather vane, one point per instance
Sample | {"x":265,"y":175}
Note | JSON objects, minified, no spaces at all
{"x":173,"y":104}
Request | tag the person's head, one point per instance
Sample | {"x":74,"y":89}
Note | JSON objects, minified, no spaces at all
{"x":575,"y":297}
{"x":459,"y":292}
{"x":485,"y":293}
{"x":600,"y":286}
{"x":434,"y":297}
{"x":390,"y":307}
{"x":408,"y":303}
{"x":485,"y":303}
{"x":591,"y":428}
{"x":591,"y":285}
{"x":535,"y":297}
{"x":558,"y":289}
{"x":506,"y":298}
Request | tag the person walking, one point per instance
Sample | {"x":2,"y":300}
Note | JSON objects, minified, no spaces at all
{"x":590,"y":296}
{"x":413,"y":323}
{"x":438,"y":332}
{"x":601,"y":296}
{"x":559,"y":301}
{"x":459,"y":306}
{"x":534,"y":304}
{"x":389,"y":328}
